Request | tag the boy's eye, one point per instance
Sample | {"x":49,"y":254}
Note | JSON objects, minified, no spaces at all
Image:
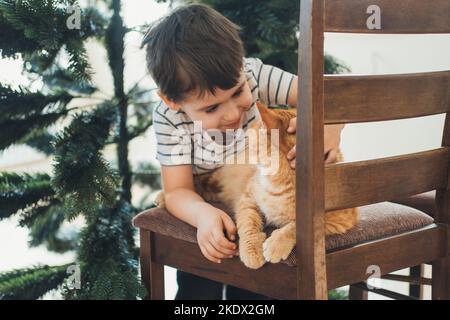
{"x":238,"y":93}
{"x":212,"y":109}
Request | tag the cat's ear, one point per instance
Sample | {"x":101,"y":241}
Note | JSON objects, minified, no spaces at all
{"x":269,"y":117}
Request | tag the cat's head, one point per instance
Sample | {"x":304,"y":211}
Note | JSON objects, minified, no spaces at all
{"x":270,"y":135}
{"x":278,"y":119}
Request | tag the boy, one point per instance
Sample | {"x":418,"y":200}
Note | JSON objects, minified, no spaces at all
{"x":196,"y":57}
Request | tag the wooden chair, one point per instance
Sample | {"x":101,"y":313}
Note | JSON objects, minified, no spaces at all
{"x":425,"y":202}
{"x":323,"y":263}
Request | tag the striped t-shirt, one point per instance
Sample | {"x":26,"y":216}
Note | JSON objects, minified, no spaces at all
{"x":180,"y":141}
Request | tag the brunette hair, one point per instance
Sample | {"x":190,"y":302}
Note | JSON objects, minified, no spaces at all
{"x":193,"y":48}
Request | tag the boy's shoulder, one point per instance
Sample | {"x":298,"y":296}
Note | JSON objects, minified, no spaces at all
{"x":252,"y":64}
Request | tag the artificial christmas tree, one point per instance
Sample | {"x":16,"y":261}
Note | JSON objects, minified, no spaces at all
{"x":45,"y":35}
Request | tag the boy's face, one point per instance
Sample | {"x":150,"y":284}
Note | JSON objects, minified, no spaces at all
{"x":222,"y":111}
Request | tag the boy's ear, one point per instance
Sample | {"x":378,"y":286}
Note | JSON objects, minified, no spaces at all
{"x":170,"y":103}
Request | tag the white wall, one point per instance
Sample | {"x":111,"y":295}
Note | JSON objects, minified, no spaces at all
{"x":388,"y":54}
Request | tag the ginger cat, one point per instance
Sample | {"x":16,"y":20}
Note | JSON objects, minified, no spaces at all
{"x":259,"y":200}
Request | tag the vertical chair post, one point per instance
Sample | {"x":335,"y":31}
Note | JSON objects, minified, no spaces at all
{"x":356,"y":293}
{"x":416,"y":290}
{"x":144,"y":258}
{"x":310,"y":204}
{"x":441,"y":267}
{"x":152,"y":273}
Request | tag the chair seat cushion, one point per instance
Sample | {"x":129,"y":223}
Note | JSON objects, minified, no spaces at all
{"x":425,"y":202}
{"x":377,"y":221}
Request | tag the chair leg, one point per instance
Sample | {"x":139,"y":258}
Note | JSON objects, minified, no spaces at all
{"x":415,"y":290}
{"x":356,"y":293}
{"x":441,"y":279}
{"x":156,"y":281}
{"x":152,"y":273}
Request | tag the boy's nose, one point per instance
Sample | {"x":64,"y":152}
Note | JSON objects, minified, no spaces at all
{"x":234,"y":113}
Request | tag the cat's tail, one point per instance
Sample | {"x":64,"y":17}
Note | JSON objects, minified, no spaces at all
{"x":340,"y":221}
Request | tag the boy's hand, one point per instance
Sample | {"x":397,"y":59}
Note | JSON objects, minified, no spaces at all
{"x":332,"y":139}
{"x":210,"y":235}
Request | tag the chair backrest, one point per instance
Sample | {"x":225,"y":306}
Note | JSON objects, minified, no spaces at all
{"x":327,"y":99}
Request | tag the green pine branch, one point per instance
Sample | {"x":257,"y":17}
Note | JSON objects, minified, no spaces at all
{"x":147,"y":174}
{"x":83,"y":181}
{"x":32,"y":197}
{"x":59,"y":244}
{"x":335,"y":66}
{"x":21,"y":103}
{"x":41,"y":26}
{"x":61,"y":79}
{"x":107,"y":249}
{"x":24,"y":114}
{"x":82,"y":177}
{"x":78,"y":63}
{"x":115,"y":46}
{"x":109,"y":234}
{"x":33,"y":213}
{"x":46,"y":226}
{"x":41,"y":140}
{"x":114,"y":284}
{"x":26,"y":194}
{"x":39,"y":61}
{"x":337,"y":295}
{"x":31,"y":283}
{"x":16,"y":130}
{"x":140,"y":114}
{"x":12,"y":41}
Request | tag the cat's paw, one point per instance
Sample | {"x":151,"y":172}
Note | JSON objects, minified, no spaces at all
{"x":277,"y":247}
{"x":250,"y":250}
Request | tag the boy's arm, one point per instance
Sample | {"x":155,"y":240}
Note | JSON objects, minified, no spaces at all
{"x":184,"y":203}
{"x":179,"y":193}
{"x":292,"y":97}
{"x":174,"y":155}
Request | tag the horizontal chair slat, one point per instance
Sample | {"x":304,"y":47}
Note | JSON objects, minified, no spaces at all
{"x":390,"y":254}
{"x":365,"y":98}
{"x":404,"y":16}
{"x":343,"y":266}
{"x":187,"y":256}
{"x":360,"y":183}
